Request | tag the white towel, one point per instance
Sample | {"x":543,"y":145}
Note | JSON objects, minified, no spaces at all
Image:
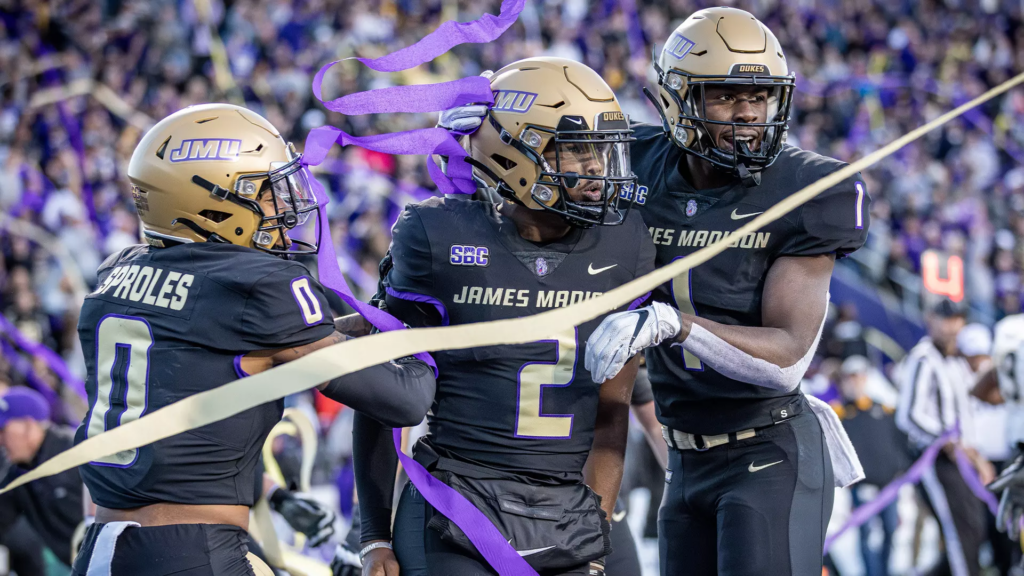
{"x":846,"y":467}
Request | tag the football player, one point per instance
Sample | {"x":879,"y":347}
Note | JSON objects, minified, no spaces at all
{"x":211,"y":297}
{"x":750,"y":482}
{"x":1004,"y":382}
{"x":512,"y":427}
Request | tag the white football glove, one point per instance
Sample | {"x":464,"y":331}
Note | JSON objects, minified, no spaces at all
{"x":621,"y":335}
{"x":464,"y":119}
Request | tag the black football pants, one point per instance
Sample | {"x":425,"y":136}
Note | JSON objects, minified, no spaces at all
{"x":421,"y":552}
{"x":178,"y":549}
{"x":755,"y":507}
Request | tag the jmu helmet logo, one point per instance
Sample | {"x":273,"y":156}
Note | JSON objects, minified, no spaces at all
{"x":691,"y":208}
{"x":513,"y":101}
{"x":206,"y":149}
{"x":679,"y":45}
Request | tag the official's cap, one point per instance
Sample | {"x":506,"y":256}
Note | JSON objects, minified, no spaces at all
{"x":22,"y":402}
{"x":855,"y":364}
{"x":946,"y":308}
{"x":974,"y":340}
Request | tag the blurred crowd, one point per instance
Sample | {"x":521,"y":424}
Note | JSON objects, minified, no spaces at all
{"x":81,"y":80}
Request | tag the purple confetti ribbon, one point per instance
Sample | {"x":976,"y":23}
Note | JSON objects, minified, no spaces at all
{"x":913,"y":475}
{"x":498,"y":552}
{"x":963,"y":463}
{"x":447,"y":36}
{"x":888,"y":494}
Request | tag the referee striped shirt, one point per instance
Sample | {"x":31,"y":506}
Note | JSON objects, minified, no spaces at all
{"x":933,"y":393}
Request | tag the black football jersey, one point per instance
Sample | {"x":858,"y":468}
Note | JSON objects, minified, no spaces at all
{"x":167,"y":323}
{"x":528,"y":409}
{"x":690,"y":395}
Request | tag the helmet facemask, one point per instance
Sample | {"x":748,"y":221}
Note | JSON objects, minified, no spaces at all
{"x":293,"y":203}
{"x":691,"y":127}
{"x":593,"y":165}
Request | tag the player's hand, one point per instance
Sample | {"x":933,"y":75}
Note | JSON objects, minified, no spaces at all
{"x":1010,"y":516}
{"x":380,"y":562}
{"x":305,"y":515}
{"x":464,"y":119}
{"x":620,"y":336}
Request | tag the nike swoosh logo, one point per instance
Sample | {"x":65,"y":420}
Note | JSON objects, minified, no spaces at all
{"x":736,"y":216}
{"x":593,"y":270}
{"x":642,"y":315}
{"x":753,"y":468}
{"x":618,"y":516}
{"x":575,"y":121}
{"x":534,"y":551}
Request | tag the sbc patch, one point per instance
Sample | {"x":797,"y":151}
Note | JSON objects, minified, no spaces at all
{"x":462,"y":255}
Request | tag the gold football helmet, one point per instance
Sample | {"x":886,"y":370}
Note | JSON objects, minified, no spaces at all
{"x":716,"y":47}
{"x":555,"y":131}
{"x":199,"y":176}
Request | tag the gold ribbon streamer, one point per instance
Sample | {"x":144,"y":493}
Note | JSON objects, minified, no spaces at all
{"x":347,"y":357}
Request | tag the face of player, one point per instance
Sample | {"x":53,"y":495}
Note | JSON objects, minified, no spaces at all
{"x":740,"y":104}
{"x":272,"y":207}
{"x":585,"y":160}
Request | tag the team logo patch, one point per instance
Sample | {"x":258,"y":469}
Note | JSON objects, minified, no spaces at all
{"x":541,"y":266}
{"x":460,"y":255}
{"x":513,"y":101}
{"x":206,"y":149}
{"x":679,"y":45}
{"x":749,"y":69}
{"x":691,"y":208}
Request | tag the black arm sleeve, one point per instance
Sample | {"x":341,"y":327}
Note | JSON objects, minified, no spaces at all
{"x":395,"y":393}
{"x":375,"y":467}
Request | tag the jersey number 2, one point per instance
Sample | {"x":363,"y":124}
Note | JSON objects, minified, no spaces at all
{"x":122,"y":379}
{"x":533,"y":378}
{"x":681,"y":292}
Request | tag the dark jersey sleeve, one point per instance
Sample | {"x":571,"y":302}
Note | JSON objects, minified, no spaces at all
{"x":412,"y":262}
{"x":644,"y":263}
{"x":833,"y":222}
{"x":409,"y":281}
{"x":285,"y":308}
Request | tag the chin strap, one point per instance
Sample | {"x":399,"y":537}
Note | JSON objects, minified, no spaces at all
{"x":749,"y":178}
{"x":200,"y":231}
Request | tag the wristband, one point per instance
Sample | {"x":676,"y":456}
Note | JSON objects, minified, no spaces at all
{"x":366,"y":550}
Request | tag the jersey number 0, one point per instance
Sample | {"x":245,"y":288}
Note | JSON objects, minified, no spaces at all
{"x":122,"y":379}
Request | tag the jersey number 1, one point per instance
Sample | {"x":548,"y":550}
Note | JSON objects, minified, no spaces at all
{"x":122,"y":379}
{"x":681,"y":292}
{"x":533,"y":378}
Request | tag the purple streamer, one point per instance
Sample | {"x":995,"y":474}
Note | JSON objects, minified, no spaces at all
{"x":498,"y":552}
{"x":447,"y":36}
{"x":418,"y":98}
{"x":421,"y":141}
{"x":487,"y":539}
{"x":973,"y":482}
{"x":913,"y":475}
{"x":888,"y":494}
